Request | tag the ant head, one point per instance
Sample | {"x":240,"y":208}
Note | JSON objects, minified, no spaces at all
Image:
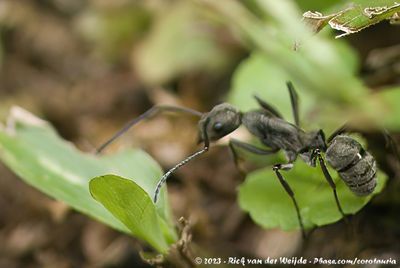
{"x":219,"y":122}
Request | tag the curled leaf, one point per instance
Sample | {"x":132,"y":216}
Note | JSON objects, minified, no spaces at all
{"x":316,"y":20}
{"x":354,"y":18}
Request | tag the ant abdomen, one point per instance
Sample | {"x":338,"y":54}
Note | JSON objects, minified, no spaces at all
{"x":355,"y":166}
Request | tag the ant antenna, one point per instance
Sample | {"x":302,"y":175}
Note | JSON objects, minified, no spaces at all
{"x":183,"y":162}
{"x":149,"y":113}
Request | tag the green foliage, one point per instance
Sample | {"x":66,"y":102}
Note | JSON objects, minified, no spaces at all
{"x":316,"y":66}
{"x":133,"y":206}
{"x":33,"y":150}
{"x":270,"y":206}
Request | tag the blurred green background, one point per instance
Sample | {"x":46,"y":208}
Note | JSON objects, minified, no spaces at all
{"x":88,"y":67}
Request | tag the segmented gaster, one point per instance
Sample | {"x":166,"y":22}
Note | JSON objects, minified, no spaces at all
{"x":355,"y":166}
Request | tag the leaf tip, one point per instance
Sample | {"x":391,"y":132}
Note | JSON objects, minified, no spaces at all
{"x":20,"y":115}
{"x":92,"y":183}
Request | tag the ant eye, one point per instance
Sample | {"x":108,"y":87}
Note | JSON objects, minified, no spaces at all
{"x":218,"y":126}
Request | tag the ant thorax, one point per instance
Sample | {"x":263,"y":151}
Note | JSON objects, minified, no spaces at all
{"x":312,"y":140}
{"x":274,"y":132}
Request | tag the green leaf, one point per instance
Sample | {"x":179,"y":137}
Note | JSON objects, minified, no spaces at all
{"x":129,"y":203}
{"x":32,"y":149}
{"x":270,"y":206}
{"x":354,"y":18}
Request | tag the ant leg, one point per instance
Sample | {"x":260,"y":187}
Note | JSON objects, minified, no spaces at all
{"x":330,"y":181}
{"x":290,"y":192}
{"x":294,"y":100}
{"x":337,"y":132}
{"x":276,"y":168}
{"x":149,"y":113}
{"x":234,"y":144}
{"x":164,"y":178}
{"x":391,"y":143}
{"x":268,"y":107}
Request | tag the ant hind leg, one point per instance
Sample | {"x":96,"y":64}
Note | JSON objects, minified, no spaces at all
{"x":329,"y":179}
{"x":289,"y":191}
{"x":235,"y":144}
{"x":148,"y":114}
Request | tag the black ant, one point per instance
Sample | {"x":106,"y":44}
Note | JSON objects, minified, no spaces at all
{"x":355,"y":166}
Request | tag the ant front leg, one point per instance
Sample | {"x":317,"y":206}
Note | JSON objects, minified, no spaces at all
{"x":289,"y":191}
{"x":328,"y":177}
{"x":234,"y":144}
{"x":255,"y":150}
{"x":164,"y":178}
{"x":148,"y":114}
